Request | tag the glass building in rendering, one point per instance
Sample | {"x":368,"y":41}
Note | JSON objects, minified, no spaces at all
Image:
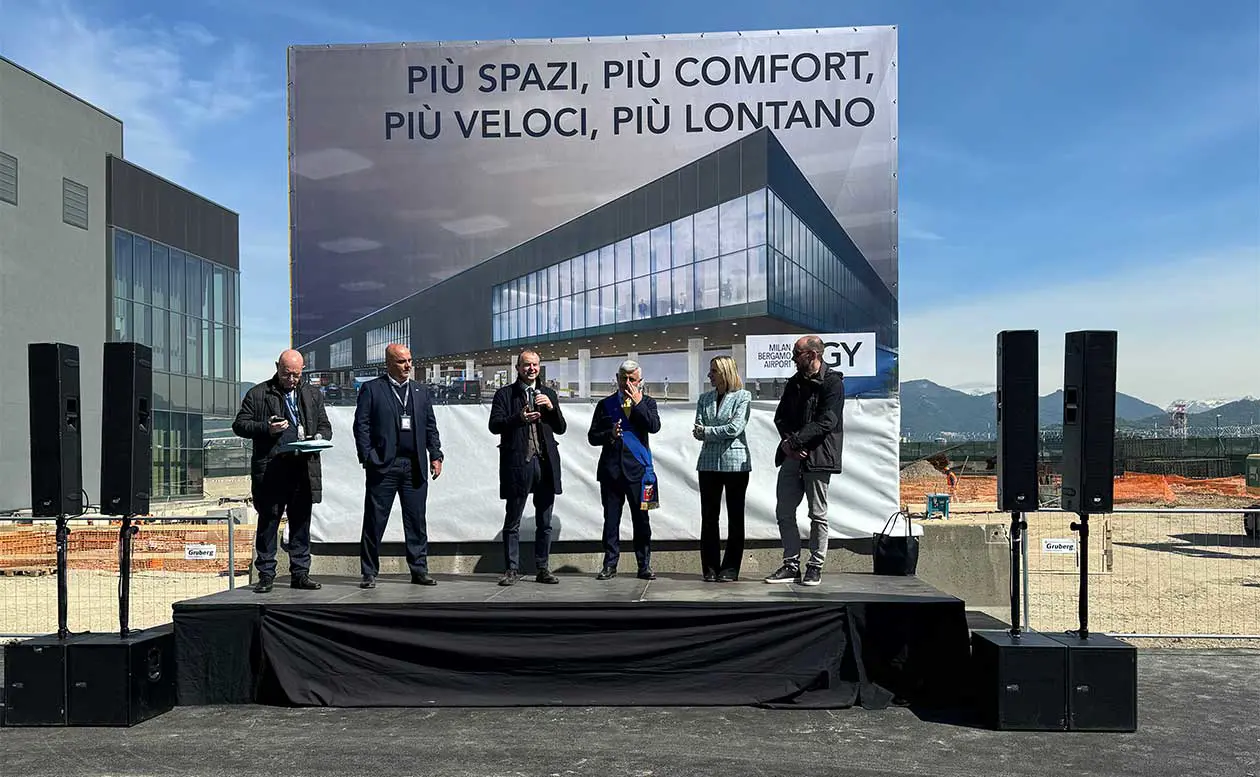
{"x":721,"y":257}
{"x":736,"y":242}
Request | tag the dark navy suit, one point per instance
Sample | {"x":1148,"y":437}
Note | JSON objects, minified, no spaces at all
{"x":396,"y":463}
{"x":620,"y":476}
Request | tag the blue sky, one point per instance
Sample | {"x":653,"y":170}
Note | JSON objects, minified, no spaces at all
{"x":1062,"y":166}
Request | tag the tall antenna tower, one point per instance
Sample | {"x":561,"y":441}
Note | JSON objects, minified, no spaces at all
{"x":1177,"y":418}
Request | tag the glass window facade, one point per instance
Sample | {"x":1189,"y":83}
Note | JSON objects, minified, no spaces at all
{"x":339,"y":354}
{"x":706,"y":261}
{"x":748,"y":250}
{"x":186,"y":309}
{"x":813,"y":286}
{"x":397,"y":332}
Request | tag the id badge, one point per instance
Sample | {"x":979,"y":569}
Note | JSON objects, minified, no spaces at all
{"x":406,"y":423}
{"x":301,"y":432}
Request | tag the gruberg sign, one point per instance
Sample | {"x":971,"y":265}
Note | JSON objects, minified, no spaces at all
{"x":410,"y":163}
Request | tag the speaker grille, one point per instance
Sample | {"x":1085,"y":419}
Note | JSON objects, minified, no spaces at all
{"x":127,"y":429}
{"x":1017,"y":425}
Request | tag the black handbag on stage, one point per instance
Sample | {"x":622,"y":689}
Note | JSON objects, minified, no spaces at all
{"x":896,"y":554}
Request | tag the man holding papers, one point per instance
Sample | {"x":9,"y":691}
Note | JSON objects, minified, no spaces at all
{"x":282,"y":416}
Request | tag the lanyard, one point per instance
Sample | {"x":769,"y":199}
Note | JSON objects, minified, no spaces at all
{"x":402,"y":401}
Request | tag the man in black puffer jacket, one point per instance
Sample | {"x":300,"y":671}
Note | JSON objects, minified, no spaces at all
{"x":273,"y":413}
{"x":810,"y":420}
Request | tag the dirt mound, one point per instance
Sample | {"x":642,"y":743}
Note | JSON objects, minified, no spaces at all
{"x":921,"y":471}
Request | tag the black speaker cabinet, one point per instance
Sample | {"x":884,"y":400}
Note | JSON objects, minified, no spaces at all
{"x":56,"y":430}
{"x":127,"y":429}
{"x":1089,"y":421}
{"x":1017,"y":418}
{"x":35,"y":681}
{"x":121,"y":681}
{"x":1021,"y":683}
{"x":1101,"y":683}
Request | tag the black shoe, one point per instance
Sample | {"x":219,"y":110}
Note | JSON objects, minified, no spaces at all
{"x":544,"y":576}
{"x":304,"y":583}
{"x":607,"y":573}
{"x":265,"y":584}
{"x":646,"y":574}
{"x":812,"y":576}
{"x":784,"y":574}
{"x":422,"y":578}
{"x":727,"y":576}
{"x":510,"y":577}
{"x":368,"y":581}
{"x":710,"y":577}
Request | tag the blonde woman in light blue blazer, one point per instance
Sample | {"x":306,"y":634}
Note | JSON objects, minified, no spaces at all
{"x":724,"y":464}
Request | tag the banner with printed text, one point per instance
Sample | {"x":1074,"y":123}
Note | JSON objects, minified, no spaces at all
{"x":411,"y":164}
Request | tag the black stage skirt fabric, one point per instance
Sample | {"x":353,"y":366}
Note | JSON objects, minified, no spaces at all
{"x":801,"y":655}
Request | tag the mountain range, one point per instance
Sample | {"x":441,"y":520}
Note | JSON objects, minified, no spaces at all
{"x":929,"y":410}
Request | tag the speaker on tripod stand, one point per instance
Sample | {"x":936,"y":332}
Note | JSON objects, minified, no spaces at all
{"x":123,"y":678}
{"x":35,"y":669}
{"x":1021,"y":677}
{"x":1102,"y":670}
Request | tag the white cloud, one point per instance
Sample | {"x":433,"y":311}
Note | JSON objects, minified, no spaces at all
{"x":349,"y":245}
{"x":329,"y":163}
{"x":168,"y":83}
{"x":474,"y":225}
{"x":362,"y":286}
{"x":1186,"y":329}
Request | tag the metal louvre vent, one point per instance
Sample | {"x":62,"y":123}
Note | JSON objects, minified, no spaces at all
{"x":74,"y":203}
{"x":8,"y":178}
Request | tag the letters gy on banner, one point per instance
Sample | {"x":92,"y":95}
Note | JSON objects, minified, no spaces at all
{"x":770,"y":356}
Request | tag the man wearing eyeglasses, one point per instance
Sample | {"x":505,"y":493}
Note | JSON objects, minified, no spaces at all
{"x":280,"y":411}
{"x":810,"y":421}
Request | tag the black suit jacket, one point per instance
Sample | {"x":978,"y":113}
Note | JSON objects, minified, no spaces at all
{"x":253,"y":422}
{"x":505,"y":421}
{"x":615,"y":460}
{"x":376,"y":423}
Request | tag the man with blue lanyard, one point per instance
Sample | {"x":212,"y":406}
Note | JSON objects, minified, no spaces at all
{"x":621,"y":425}
{"x":279,"y":411}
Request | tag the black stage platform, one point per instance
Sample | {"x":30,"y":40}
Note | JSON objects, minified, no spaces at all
{"x":854,"y":640}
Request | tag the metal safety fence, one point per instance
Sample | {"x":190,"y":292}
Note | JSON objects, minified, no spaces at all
{"x":1160,"y":573}
{"x":173,"y":559}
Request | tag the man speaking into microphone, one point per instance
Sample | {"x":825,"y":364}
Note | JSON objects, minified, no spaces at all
{"x":527,"y":417}
{"x":621,"y":425}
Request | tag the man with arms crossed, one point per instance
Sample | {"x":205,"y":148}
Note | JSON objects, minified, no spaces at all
{"x":396,"y":439}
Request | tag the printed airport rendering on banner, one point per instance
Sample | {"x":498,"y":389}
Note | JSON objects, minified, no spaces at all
{"x":666,"y":197}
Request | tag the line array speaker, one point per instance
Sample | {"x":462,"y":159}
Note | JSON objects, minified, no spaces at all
{"x":56,"y":426}
{"x":127,"y":429}
{"x":1017,"y":418}
{"x":1089,"y":421}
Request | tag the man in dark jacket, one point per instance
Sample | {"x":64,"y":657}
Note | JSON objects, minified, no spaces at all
{"x":620,"y":425}
{"x":396,"y":439}
{"x":526,"y":416}
{"x":810,"y":420}
{"x":280,"y":411}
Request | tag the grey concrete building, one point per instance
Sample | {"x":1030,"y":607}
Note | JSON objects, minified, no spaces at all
{"x":89,"y":245}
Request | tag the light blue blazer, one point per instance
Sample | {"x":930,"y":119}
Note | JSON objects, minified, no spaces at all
{"x":725,"y":447}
